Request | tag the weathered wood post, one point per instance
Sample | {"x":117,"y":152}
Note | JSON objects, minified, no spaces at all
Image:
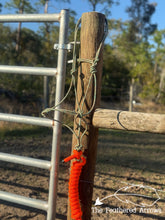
{"x":92,"y":30}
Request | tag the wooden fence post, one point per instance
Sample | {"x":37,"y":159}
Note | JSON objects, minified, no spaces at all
{"x":92,"y":30}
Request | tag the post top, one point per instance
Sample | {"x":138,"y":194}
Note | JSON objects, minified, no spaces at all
{"x":93,"y":13}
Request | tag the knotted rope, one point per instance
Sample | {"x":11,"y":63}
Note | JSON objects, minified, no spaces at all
{"x":79,"y":112}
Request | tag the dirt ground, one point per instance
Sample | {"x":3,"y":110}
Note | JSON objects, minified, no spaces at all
{"x":124,"y":163}
{"x":108,"y":178}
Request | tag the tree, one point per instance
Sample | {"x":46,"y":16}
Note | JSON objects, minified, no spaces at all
{"x":46,"y":33}
{"x":106,"y":5}
{"x":158,"y":53}
{"x":46,"y":78}
{"x":158,"y":49}
{"x":139,"y":29}
{"x":20,"y":6}
{"x":6,"y":45}
{"x":115,"y":75}
{"x":29,"y":55}
{"x":46,"y":3}
{"x":135,"y":55}
{"x":140,"y":13}
{"x":0,"y":7}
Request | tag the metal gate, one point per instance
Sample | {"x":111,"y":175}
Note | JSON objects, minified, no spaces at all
{"x":50,"y":205}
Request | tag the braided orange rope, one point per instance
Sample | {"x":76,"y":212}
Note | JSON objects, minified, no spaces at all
{"x":76,"y":168}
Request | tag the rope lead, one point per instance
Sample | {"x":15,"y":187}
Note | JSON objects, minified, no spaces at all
{"x":76,"y":168}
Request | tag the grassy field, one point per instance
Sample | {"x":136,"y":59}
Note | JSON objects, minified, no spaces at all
{"x":123,"y":159}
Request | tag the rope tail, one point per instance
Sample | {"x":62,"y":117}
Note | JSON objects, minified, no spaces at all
{"x":76,"y":168}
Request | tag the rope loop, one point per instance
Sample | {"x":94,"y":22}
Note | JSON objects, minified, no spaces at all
{"x":80,"y":114}
{"x":78,"y":147}
{"x":72,"y":72}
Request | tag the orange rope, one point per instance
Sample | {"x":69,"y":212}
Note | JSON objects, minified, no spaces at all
{"x":76,"y":168}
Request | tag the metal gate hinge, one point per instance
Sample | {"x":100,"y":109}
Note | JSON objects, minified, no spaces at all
{"x":63,"y":46}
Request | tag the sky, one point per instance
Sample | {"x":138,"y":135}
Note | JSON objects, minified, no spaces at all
{"x":117,"y":12}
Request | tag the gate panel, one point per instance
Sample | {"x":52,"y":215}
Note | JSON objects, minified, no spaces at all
{"x":59,"y":72}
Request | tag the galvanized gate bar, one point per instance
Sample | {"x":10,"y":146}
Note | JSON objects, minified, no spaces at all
{"x":40,"y":71}
{"x":60,"y":82}
{"x":26,"y":120}
{"x":28,"y":161}
{"x":22,"y":200}
{"x":30,"y":18}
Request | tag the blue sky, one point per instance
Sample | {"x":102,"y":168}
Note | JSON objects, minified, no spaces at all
{"x":117,"y":12}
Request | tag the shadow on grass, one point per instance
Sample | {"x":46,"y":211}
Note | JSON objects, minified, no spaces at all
{"x":131,"y":137}
{"x":144,"y":165}
{"x":140,"y":179}
{"x":27,"y":131}
{"x":34,"y":188}
{"x":4,"y":166}
{"x":112,"y":190}
{"x":35,"y":211}
{"x":138,"y":151}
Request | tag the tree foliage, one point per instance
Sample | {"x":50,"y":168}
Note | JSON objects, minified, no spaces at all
{"x":24,"y":5}
{"x":115,"y":75}
{"x":136,"y":50}
{"x":158,"y":49}
{"x":105,"y":5}
{"x":30,"y":55}
{"x":140,"y":12}
{"x":46,"y":3}
{"x":0,"y":7}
